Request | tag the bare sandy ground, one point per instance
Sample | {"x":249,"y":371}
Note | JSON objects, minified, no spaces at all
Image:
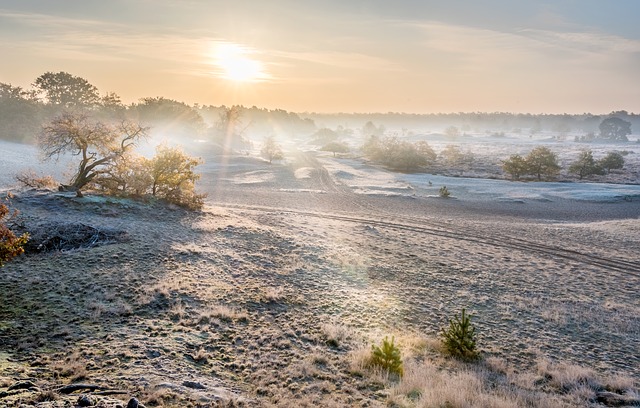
{"x":235,"y":305}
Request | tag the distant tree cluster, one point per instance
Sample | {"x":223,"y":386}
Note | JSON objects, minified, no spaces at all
{"x":453,"y":156}
{"x":370,"y":129}
{"x":399,"y":154}
{"x":258,"y":121}
{"x":335,"y":147}
{"x":615,"y":129}
{"x":24,"y":111}
{"x":558,"y":125}
{"x":586,"y":165}
{"x":541,"y":162}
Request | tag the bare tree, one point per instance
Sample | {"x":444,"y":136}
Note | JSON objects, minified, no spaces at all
{"x":271,"y":150}
{"x":98,"y":145}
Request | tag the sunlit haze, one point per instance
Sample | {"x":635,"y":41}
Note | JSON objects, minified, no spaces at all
{"x":236,"y":64}
{"x":335,"y":56}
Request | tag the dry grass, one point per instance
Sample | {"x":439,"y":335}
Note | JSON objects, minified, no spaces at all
{"x":219,"y":311}
{"x":45,"y":396}
{"x":428,"y":385}
{"x":335,"y":334}
{"x":432,"y":380}
{"x":581,"y":384}
{"x":223,"y":313}
{"x":568,"y":377}
{"x":29,"y":178}
{"x":73,"y":368}
{"x":201,"y":356}
{"x":158,"y":397}
{"x":274,"y":295}
{"x":178,"y":310}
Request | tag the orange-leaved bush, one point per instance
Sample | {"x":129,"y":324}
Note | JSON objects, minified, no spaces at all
{"x":10,"y":245}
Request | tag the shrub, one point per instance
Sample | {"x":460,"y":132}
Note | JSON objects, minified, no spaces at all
{"x":541,"y":161}
{"x":30,"y":179}
{"x":613,"y":160}
{"x":387,"y":357}
{"x":444,"y":192}
{"x":10,"y":245}
{"x":335,"y":147}
{"x":186,"y":197}
{"x":459,"y":338}
{"x":398,"y":154}
{"x":586,"y":165}
{"x":515,"y":165}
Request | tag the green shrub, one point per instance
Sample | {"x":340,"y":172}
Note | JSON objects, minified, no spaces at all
{"x":444,"y":192}
{"x":387,"y":357}
{"x":459,"y":338}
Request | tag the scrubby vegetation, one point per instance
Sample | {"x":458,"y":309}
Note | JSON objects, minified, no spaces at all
{"x":107,"y":161}
{"x":399,"y":155}
{"x":586,"y":165}
{"x":335,"y":147}
{"x":10,"y":244}
{"x":444,"y":192}
{"x":540,"y":162}
{"x":612,"y":161}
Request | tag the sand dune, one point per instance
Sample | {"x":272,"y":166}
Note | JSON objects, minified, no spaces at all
{"x":237,"y":303}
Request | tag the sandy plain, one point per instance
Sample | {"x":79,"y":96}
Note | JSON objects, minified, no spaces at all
{"x":270,"y":295}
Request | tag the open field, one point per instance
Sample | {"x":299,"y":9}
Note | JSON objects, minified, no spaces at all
{"x":270,"y":295}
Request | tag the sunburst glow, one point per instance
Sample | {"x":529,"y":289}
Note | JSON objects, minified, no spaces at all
{"x":236,"y":63}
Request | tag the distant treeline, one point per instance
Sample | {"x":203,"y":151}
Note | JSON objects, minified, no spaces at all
{"x":24,"y":111}
{"x":477,"y":122}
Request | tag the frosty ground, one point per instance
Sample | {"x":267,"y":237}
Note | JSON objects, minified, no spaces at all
{"x":268,"y":296}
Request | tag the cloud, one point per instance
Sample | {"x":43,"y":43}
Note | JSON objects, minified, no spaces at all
{"x":528,"y":50}
{"x":84,"y":39}
{"x":589,"y":42}
{"x":339,"y":59}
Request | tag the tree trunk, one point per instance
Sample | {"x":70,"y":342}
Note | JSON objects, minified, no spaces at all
{"x":71,"y":188}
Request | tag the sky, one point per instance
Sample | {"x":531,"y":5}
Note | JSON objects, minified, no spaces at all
{"x":415,"y":56}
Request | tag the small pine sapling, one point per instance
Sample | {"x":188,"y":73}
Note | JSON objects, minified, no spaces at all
{"x":387,"y":357}
{"x":459,"y":339}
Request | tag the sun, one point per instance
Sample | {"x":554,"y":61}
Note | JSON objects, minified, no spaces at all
{"x":236,"y":64}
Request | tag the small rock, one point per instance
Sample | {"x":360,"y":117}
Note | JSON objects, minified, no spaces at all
{"x":611,"y":399}
{"x":133,"y":403}
{"x":194,"y":385}
{"x":84,"y":401}
{"x":22,"y":385}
